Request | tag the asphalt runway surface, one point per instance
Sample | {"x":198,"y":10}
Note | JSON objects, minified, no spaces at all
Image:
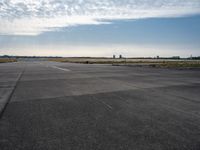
{"x":62,"y":106}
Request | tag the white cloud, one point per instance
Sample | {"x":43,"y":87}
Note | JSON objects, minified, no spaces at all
{"x":33,"y":17}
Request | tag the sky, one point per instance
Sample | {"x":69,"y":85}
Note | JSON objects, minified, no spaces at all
{"x":100,"y":28}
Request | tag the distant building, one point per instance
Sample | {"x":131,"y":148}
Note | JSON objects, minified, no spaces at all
{"x":114,"y":56}
{"x":120,"y":56}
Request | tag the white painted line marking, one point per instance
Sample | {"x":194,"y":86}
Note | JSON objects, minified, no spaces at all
{"x":110,"y":107}
{"x":63,"y":69}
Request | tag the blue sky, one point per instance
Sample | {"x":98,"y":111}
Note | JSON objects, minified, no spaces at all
{"x":100,"y":28}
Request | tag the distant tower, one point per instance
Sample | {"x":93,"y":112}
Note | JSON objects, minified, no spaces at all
{"x":114,"y":57}
{"x":120,"y":56}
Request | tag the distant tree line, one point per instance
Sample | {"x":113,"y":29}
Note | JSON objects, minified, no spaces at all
{"x":8,"y":56}
{"x":120,"y":56}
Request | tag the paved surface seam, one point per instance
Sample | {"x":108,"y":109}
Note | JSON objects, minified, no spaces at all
{"x":12,"y":92}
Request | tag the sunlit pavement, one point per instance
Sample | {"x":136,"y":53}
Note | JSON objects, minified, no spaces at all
{"x":48,"y":105}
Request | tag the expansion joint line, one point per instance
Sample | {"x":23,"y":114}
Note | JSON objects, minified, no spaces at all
{"x":12,"y":92}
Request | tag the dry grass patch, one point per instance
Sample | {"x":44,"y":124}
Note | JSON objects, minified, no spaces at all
{"x":7,"y":60}
{"x":178,"y":64}
{"x":166,"y":63}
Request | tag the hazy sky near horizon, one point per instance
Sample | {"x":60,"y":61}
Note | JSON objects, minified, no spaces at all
{"x":100,"y":28}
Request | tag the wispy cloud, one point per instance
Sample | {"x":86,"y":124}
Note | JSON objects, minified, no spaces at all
{"x":33,"y":17}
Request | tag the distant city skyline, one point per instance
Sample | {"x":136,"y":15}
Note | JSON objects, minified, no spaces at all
{"x":100,"y":28}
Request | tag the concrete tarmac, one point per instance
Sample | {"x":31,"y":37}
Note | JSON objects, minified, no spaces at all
{"x":63,"y":106}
